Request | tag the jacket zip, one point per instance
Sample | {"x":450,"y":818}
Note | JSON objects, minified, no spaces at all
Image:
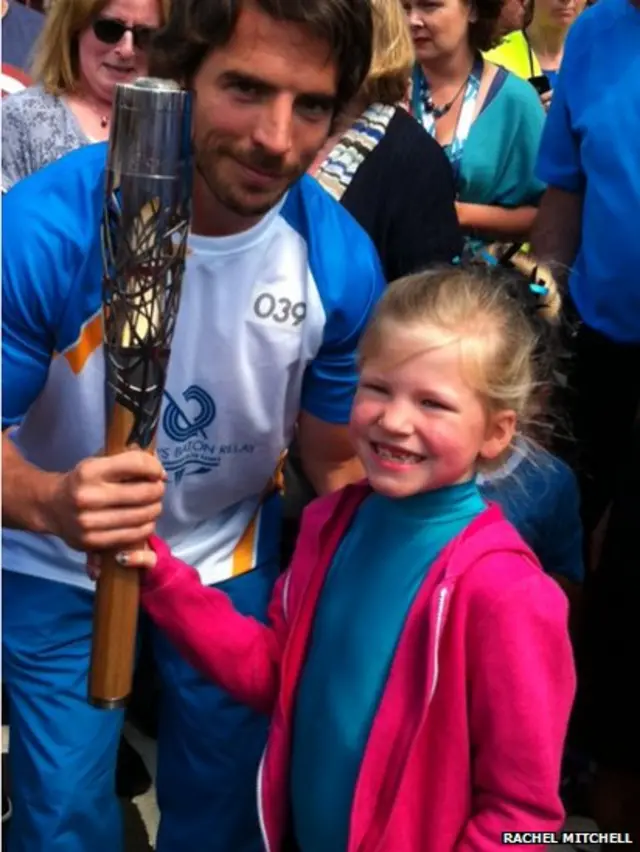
{"x":285,"y":596}
{"x":263,"y":826}
{"x":442,"y":599}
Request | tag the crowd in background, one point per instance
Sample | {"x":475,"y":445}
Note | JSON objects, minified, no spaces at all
{"x":497,"y":130}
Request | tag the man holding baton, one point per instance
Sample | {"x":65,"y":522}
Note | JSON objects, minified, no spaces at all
{"x":279,"y":284}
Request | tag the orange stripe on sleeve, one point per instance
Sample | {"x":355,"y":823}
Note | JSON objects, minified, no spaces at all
{"x":89,"y":340}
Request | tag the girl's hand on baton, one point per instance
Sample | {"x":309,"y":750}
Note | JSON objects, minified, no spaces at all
{"x":144,"y":559}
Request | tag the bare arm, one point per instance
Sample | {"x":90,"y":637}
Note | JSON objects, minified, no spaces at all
{"x":496,"y":223}
{"x":556,"y":233}
{"x":102,"y":503}
{"x":326,"y":454}
{"x":27,"y":491}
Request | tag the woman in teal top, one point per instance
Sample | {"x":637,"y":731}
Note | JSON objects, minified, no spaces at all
{"x":488,"y":121}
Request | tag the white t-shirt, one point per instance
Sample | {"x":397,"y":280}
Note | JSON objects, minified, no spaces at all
{"x":268,"y":325}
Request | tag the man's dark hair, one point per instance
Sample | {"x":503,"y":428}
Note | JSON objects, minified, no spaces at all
{"x":195,"y":27}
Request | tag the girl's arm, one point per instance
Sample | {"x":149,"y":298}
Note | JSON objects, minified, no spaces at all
{"x":238,"y":653}
{"x":521,"y":689}
{"x":492,"y":222}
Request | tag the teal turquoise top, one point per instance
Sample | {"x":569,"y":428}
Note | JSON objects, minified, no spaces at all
{"x":374,"y":577}
{"x":493,"y":155}
{"x":499,"y":157}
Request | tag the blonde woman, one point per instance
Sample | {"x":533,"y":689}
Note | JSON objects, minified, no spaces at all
{"x":84,"y":50}
{"x":384,"y":168}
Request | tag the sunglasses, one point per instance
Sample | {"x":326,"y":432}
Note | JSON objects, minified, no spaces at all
{"x":111,"y":31}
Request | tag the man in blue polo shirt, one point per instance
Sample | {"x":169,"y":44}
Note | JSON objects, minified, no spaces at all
{"x":588,"y":224}
{"x":279,"y":283}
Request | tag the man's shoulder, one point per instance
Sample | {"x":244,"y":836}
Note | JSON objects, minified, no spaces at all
{"x":51,"y":221}
{"x":340,"y":252}
{"x":66,"y":190}
{"x":316,"y":215}
{"x":594,"y":28}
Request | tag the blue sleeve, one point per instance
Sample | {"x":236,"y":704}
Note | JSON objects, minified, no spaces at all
{"x":354,"y":274}
{"x":49,"y":239}
{"x":559,"y":162}
{"x":561,"y":549}
{"x":31,"y":300}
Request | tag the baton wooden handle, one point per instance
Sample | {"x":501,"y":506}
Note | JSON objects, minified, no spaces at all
{"x":115,"y":615}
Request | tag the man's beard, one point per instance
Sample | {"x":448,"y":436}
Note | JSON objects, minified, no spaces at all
{"x":208,"y":166}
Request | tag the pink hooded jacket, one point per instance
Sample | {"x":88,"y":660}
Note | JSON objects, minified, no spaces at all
{"x":468,"y":738}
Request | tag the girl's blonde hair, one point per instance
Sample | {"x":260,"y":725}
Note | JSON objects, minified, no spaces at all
{"x":55,"y":63}
{"x":393,"y":54}
{"x":506,"y":323}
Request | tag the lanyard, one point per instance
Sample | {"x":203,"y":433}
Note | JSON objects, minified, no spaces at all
{"x":420,"y":91}
{"x":532,"y":68}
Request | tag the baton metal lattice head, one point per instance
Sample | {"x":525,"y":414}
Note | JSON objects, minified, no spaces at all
{"x":143,"y":260}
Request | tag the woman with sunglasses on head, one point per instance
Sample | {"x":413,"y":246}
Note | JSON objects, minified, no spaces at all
{"x":85,"y":49}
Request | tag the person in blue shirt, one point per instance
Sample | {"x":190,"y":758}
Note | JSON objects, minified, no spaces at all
{"x":588,"y":224}
{"x":588,"y":229}
{"x":539,"y":494}
{"x":279,"y":282}
{"x":21,"y":27}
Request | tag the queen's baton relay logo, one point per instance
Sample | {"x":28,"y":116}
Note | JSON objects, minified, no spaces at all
{"x":187,"y":424}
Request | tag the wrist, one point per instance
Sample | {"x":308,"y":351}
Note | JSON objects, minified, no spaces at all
{"x":467,"y":216}
{"x":46,"y":499}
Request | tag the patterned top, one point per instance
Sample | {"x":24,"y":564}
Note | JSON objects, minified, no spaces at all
{"x":337,"y":171}
{"x":37,"y":128}
{"x":427,"y":117}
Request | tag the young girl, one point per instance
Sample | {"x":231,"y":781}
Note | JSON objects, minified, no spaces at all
{"x":416,"y":664}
